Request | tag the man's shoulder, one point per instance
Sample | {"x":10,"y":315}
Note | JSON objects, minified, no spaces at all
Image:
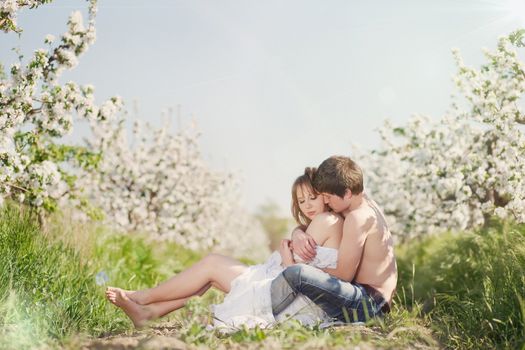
{"x":363,"y":218}
{"x":365,"y":212}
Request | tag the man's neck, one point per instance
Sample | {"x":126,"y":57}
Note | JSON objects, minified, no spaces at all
{"x":355,"y":202}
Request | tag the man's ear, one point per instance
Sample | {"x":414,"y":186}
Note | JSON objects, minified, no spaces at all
{"x":325,"y":198}
{"x":348,"y":194}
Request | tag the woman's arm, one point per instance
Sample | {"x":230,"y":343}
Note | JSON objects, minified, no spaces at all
{"x":286,"y":253}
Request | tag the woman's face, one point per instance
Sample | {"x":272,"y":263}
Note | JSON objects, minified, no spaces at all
{"x":310,"y":203}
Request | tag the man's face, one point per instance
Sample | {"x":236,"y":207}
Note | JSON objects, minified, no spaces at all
{"x":337,"y":203}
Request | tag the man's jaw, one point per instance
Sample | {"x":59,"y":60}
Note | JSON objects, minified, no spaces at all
{"x":334,"y":209}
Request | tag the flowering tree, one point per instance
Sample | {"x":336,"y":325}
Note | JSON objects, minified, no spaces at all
{"x":36,"y":112}
{"x":158,"y":183}
{"x":459,"y":171}
{"x":9,"y":9}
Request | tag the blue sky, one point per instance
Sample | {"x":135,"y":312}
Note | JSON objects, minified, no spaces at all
{"x":275,"y":86}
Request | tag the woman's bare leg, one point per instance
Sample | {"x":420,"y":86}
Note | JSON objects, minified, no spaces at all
{"x":111,"y":293}
{"x":141,"y":314}
{"x":214,"y":269}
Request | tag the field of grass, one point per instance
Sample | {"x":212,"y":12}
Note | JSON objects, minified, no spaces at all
{"x":455,"y":291}
{"x":472,"y":285}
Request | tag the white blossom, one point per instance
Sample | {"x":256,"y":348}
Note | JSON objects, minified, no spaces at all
{"x":36,"y":111}
{"x":49,"y":39}
{"x":157,"y":182}
{"x":457,"y":172}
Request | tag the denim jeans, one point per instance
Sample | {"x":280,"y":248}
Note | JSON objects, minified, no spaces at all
{"x":342,"y":301}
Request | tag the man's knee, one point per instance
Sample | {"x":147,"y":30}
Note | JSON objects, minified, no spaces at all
{"x":284,"y":288}
{"x":292,"y":275}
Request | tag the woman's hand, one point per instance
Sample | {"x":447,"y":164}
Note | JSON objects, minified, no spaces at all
{"x":286,"y":253}
{"x":303,"y":245}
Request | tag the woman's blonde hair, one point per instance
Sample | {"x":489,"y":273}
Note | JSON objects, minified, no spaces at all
{"x":305,"y":180}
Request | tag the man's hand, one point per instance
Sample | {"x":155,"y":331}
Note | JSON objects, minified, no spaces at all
{"x":286,"y":253}
{"x":303,"y":245}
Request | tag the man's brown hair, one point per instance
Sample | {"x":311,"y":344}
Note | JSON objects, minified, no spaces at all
{"x":337,"y":174}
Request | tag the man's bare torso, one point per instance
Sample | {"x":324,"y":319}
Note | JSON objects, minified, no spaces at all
{"x":377,"y":267}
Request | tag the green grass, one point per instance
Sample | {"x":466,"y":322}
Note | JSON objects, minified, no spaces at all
{"x":455,"y":290}
{"x":48,"y":289}
{"x":399,"y":330}
{"x":45,"y":290}
{"x":472,"y":285}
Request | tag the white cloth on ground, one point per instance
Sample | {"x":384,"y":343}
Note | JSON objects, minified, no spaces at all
{"x":249,"y":304}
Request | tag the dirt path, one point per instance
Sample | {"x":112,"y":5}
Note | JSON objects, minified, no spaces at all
{"x":161,"y":336}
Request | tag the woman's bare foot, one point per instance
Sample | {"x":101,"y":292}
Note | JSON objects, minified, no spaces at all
{"x":138,"y":314}
{"x":111,"y":293}
{"x":136,"y":296}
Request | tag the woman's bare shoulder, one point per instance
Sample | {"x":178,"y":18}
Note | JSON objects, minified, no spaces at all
{"x":324,"y":226}
{"x":327,"y":219}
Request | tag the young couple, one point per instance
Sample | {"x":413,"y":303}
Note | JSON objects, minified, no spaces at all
{"x":338,"y":266}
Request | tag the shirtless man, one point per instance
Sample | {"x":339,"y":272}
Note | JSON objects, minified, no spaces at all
{"x":363,"y":283}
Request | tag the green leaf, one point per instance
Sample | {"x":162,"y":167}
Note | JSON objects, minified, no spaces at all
{"x":399,"y":131}
{"x":517,"y":37}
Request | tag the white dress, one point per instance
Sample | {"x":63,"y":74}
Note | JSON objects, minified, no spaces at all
{"x":248,"y":304}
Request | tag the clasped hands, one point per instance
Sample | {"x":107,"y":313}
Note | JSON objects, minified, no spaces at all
{"x":301,"y":244}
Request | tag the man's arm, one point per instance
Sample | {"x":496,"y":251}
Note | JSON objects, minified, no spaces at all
{"x":350,"y":250}
{"x":303,"y":244}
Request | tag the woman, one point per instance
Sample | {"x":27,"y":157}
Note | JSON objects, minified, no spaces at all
{"x":248,"y":302}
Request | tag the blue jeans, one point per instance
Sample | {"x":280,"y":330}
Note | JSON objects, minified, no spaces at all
{"x":342,"y":301}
